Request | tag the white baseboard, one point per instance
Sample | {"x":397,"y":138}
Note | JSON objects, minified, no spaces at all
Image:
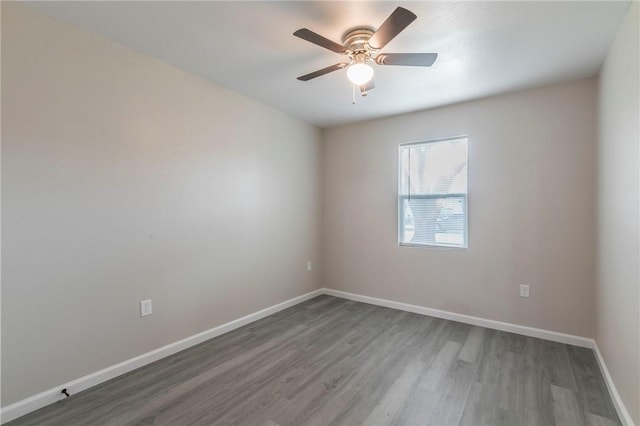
{"x":468,"y":319}
{"x":20,"y":408}
{"x":625,"y":418}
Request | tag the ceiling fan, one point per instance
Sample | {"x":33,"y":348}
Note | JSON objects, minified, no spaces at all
{"x":361,"y":46}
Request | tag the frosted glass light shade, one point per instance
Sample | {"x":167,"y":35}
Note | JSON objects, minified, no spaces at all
{"x":359,"y":73}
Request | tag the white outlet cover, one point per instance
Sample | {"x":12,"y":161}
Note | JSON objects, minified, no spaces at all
{"x":308,"y":266}
{"x":524,"y":290}
{"x":146,"y":308}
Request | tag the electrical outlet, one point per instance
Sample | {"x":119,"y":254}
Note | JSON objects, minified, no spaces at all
{"x":524,"y":290}
{"x":308,"y":266}
{"x":145,"y":308}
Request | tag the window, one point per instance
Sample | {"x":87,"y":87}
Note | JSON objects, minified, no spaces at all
{"x":432,"y":193}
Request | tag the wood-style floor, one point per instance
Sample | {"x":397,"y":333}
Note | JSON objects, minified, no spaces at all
{"x":333,"y":361}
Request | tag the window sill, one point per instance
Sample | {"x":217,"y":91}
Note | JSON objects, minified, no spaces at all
{"x":433,"y":246}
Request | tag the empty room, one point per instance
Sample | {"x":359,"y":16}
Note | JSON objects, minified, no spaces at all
{"x":280,"y":213}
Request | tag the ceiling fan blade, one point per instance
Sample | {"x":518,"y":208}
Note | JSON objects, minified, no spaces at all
{"x":323,"y":71}
{"x":364,"y":88}
{"x":395,"y":23}
{"x":319,"y":40}
{"x":407,"y":59}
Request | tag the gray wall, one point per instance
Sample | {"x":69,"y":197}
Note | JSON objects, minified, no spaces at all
{"x":125,"y":179}
{"x":618,"y":291}
{"x":531,"y":210}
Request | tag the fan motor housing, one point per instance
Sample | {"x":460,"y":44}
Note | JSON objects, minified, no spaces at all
{"x":356,"y":39}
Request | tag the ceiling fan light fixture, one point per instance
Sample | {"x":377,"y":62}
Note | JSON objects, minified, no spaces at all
{"x":361,"y":46}
{"x":359,"y":72}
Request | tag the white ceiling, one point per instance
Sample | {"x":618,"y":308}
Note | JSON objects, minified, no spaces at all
{"x":484,"y":48}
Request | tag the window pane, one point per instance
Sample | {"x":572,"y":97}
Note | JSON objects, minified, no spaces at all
{"x":433,"y":221}
{"x":434,"y":168}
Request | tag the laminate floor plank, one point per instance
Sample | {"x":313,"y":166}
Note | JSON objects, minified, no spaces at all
{"x":566,"y":409}
{"x":591,"y":390}
{"x":330,"y":361}
{"x":472,"y":345}
{"x":457,"y":381}
{"x":553,"y":357}
{"x":488,"y":405}
{"x":593,"y":420}
{"x":395,"y":397}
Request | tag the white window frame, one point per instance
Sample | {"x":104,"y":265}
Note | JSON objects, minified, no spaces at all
{"x":402,"y":197}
